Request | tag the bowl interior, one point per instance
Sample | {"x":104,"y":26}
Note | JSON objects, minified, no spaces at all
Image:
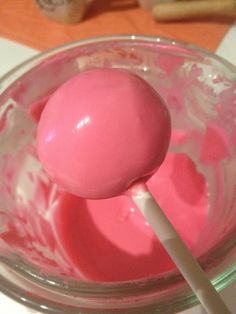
{"x":200,"y":92}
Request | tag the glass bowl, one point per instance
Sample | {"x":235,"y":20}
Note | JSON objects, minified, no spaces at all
{"x":200,"y":91}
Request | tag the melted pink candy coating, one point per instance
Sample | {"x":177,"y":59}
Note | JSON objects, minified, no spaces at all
{"x":109,"y":240}
{"x":101,"y":131}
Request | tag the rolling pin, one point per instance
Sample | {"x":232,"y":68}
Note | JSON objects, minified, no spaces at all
{"x":186,"y":10}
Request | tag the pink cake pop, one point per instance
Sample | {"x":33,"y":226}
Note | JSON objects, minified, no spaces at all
{"x":102,"y":131}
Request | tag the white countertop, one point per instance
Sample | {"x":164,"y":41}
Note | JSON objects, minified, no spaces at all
{"x":12,"y":54}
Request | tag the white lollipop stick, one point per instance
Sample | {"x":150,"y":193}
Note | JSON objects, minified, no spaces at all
{"x":177,"y":250}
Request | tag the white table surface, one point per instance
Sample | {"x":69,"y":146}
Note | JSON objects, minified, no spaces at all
{"x":12,"y":54}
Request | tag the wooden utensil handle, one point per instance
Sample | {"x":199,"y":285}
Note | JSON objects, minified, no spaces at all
{"x":183,"y":10}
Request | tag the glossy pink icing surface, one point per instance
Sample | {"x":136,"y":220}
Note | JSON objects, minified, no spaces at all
{"x":101,"y":131}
